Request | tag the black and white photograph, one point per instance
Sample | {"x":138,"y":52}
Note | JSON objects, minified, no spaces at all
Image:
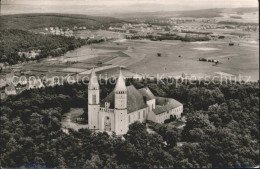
{"x":129,"y":84}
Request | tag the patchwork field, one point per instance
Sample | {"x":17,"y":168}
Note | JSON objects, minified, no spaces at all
{"x":238,"y":59}
{"x":176,"y":58}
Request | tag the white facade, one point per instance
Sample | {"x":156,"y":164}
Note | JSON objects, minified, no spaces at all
{"x":118,"y":118}
{"x":93,"y":103}
{"x":160,"y":118}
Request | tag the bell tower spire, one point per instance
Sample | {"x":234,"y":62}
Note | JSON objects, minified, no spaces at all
{"x":93,"y":101}
{"x":121,"y":125}
{"x":120,"y":84}
{"x":93,"y":81}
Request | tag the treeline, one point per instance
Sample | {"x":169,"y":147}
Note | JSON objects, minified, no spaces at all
{"x":195,"y":32}
{"x":237,"y":23}
{"x":13,"y":41}
{"x":186,"y":38}
{"x":224,"y":135}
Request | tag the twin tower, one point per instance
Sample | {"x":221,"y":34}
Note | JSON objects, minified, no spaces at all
{"x":104,"y":118}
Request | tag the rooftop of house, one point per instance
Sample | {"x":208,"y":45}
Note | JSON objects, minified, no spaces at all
{"x":165,"y":104}
{"x":146,"y":92}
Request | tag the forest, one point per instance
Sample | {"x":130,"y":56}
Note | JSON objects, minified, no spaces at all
{"x":13,"y":41}
{"x":40,"y":20}
{"x":224,"y":135}
{"x":186,"y":38}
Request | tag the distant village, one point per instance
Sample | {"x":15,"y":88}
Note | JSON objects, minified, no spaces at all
{"x":179,"y":26}
{"x":139,"y":27}
{"x":58,"y":31}
{"x":10,"y":84}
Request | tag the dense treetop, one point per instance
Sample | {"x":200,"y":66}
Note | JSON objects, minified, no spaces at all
{"x":35,"y":21}
{"x":13,"y":41}
{"x":225,"y":135}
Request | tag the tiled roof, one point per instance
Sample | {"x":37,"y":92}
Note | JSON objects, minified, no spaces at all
{"x":165,"y":104}
{"x":135,"y":100}
{"x":146,"y":92}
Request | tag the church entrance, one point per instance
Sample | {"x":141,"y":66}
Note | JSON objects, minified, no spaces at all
{"x":107,"y":124}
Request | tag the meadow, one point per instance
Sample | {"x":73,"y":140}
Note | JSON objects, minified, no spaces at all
{"x":239,"y":59}
{"x":141,"y":56}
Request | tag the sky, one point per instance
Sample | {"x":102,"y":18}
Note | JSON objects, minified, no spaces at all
{"x":103,"y":7}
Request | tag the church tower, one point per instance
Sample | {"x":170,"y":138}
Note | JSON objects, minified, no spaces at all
{"x":93,"y":101}
{"x":121,"y":125}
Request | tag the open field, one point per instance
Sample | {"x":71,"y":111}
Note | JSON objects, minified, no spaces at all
{"x":141,"y":56}
{"x":236,"y":60}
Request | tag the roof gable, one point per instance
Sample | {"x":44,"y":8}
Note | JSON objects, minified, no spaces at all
{"x":165,"y":104}
{"x":146,"y":92}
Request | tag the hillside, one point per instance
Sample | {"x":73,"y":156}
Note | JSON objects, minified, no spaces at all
{"x":13,"y":41}
{"x":203,"y":13}
{"x":35,"y":21}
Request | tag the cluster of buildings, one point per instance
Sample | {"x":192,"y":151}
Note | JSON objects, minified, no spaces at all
{"x":79,"y":28}
{"x":126,"y":105}
{"x":250,"y":28}
{"x":181,"y":20}
{"x":208,"y":20}
{"x":58,"y":31}
{"x":141,"y":29}
{"x":30,"y":55}
{"x":10,"y":84}
{"x":157,"y":30}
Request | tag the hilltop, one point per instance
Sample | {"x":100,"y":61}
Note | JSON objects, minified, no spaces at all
{"x":35,"y":21}
{"x":202,"y":13}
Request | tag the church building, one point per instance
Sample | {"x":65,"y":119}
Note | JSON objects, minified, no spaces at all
{"x":125,"y":105}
